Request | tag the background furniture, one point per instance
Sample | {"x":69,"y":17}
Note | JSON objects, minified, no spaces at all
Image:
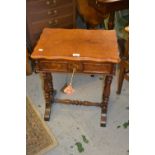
{"x":86,"y":51}
{"x":124,"y":66}
{"x":89,"y":14}
{"x":48,"y":13}
{"x":28,"y":66}
{"x":109,"y":6}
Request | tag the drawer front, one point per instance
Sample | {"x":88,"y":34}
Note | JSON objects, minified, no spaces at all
{"x":61,"y":21}
{"x":60,"y":66}
{"x":50,"y":13}
{"x":33,"y":6}
{"x":80,"y":67}
{"x":98,"y":68}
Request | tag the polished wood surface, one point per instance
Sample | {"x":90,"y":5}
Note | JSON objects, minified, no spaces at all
{"x":68,"y":66}
{"x":98,"y":53}
{"x":91,"y":45}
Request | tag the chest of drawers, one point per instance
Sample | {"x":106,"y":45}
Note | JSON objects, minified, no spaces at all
{"x":48,"y":13}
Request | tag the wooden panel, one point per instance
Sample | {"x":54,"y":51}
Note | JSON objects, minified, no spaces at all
{"x":50,"y":13}
{"x":60,"y":66}
{"x":45,"y":4}
{"x":97,"y":68}
{"x":52,"y":66}
{"x":68,"y":66}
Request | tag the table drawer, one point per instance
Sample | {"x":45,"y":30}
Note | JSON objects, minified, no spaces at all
{"x":59,"y":66}
{"x":52,"y":66}
{"x":33,"y":6}
{"x":81,"y":67}
{"x":89,"y":67}
{"x":60,"y":21}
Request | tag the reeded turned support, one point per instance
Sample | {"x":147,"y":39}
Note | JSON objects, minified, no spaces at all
{"x":104,"y":104}
{"x":48,"y":93}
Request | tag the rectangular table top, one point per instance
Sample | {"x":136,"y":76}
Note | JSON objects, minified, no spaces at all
{"x":77,"y":44}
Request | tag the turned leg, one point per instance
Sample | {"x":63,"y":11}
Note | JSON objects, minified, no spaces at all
{"x":104,"y":104}
{"x":120,"y":79}
{"x":111,"y":21}
{"x":48,"y":93}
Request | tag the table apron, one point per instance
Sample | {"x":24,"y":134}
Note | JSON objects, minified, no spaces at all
{"x":81,"y":67}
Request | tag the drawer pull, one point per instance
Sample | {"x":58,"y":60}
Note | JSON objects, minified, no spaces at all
{"x":55,"y":21}
{"x":49,"y":12}
{"x":77,"y":66}
{"x":50,"y":22}
{"x":54,"y":1}
{"x":97,"y":4}
{"x":55,"y":11}
{"x":47,"y":2}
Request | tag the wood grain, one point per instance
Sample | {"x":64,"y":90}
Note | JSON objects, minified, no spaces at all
{"x":92,"y":45}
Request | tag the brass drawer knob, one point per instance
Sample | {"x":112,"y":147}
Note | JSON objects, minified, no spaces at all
{"x":49,"y":12}
{"x":97,"y":4}
{"x":55,"y":21}
{"x":76,"y":66}
{"x":55,"y":11}
{"x":54,"y":1}
{"x":50,"y":22}
{"x":47,"y":2}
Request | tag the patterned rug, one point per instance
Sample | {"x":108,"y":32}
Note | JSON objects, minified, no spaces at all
{"x":39,"y":138}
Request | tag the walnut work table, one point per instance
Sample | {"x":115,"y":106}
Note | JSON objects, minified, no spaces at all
{"x":87,"y":51}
